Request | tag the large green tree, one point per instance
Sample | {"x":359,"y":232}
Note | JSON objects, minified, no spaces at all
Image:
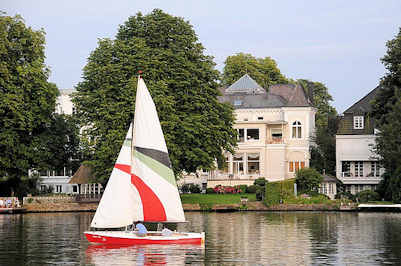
{"x":263,"y":70}
{"x":323,"y":152}
{"x":386,"y":110}
{"x":181,"y":80}
{"x":27,"y":99}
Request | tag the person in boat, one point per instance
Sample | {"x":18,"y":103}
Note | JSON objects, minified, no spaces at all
{"x":1,"y":203}
{"x":140,"y":229}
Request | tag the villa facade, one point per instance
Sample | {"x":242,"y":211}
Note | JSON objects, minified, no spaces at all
{"x":356,"y":163}
{"x":274,"y":133}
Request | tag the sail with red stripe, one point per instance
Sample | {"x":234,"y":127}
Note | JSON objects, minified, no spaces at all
{"x":142,"y":185}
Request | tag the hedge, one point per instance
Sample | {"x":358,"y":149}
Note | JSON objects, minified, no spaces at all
{"x":280,"y":190}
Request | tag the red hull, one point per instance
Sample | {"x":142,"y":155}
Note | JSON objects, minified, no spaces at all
{"x":138,"y":241}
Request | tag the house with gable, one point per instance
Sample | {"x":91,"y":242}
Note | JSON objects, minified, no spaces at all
{"x":274,"y":132}
{"x":356,"y":163}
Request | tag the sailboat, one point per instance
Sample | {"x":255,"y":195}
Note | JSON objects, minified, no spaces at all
{"x":142,"y":185}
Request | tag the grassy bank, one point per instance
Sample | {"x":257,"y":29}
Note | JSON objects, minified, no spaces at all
{"x":215,"y":198}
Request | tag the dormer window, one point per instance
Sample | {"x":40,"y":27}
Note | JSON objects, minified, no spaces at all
{"x":358,"y":122}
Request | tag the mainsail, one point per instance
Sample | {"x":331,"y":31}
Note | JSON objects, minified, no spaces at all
{"x":142,"y":185}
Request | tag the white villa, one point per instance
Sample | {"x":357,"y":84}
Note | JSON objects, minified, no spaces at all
{"x":274,"y":131}
{"x":356,"y":163}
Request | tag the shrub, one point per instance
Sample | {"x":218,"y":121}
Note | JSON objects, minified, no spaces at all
{"x":185,"y":188}
{"x":260,"y":192}
{"x":210,"y":191}
{"x":260,"y":182}
{"x":308,"y":179}
{"x":243,"y":188}
{"x":227,"y":189}
{"x":345,"y":195}
{"x":367,"y":195}
{"x":251,"y":189}
{"x":277,"y":192}
{"x":194,"y":188}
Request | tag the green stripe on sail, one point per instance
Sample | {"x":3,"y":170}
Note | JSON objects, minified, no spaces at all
{"x":159,"y":168}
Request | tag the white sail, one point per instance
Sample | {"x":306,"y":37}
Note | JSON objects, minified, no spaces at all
{"x":142,"y":185}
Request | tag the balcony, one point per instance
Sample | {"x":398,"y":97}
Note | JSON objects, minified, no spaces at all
{"x":275,"y":141}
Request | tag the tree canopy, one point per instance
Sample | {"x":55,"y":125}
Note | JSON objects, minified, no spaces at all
{"x":386,"y":111}
{"x":323,"y":153}
{"x":27,"y":99}
{"x":263,"y":70}
{"x":181,"y":80}
{"x":308,"y":180}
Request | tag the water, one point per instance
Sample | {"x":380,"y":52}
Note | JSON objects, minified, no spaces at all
{"x":240,"y":238}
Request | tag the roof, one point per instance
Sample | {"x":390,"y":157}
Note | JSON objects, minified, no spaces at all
{"x":245,"y":94}
{"x":245,"y":84}
{"x":293,"y":93}
{"x":364,"y":104}
{"x":82,"y":176}
{"x":329,"y":178}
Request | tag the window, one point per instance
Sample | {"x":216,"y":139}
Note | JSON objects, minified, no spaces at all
{"x":346,"y":167}
{"x":248,"y":134}
{"x":252,"y":134}
{"x":375,"y":170}
{"x":277,"y":134}
{"x":331,"y":188}
{"x":238,"y":164}
{"x":241,"y":134}
{"x":58,"y":188}
{"x":296,"y":130}
{"x":358,"y":122}
{"x":294,"y":166}
{"x":253,"y":163}
{"x":358,"y":169}
{"x":43,"y":188}
{"x":237,"y":102}
{"x":260,"y":117}
{"x":75,"y":189}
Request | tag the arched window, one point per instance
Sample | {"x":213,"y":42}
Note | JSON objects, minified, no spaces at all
{"x":296,"y":130}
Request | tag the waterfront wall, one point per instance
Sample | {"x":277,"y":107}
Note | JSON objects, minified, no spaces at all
{"x":57,"y":204}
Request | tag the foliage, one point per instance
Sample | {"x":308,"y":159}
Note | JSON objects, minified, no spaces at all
{"x":277,"y":192}
{"x":251,"y":189}
{"x":321,"y":101}
{"x":60,"y":144}
{"x":367,"y":195}
{"x":227,"y":189}
{"x":215,"y":198}
{"x":27,"y":99}
{"x":323,"y":153}
{"x":345,"y":195}
{"x":308,"y":179}
{"x":260,"y":181}
{"x":181,"y":80}
{"x":318,"y":199}
{"x":263,"y":70}
{"x":260,"y":193}
{"x":243,"y":188}
{"x":386,"y":109}
{"x":19,"y":187}
{"x":210,"y":191}
{"x":192,"y":188}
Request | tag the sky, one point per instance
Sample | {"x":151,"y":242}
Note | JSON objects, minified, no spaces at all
{"x":337,"y":43}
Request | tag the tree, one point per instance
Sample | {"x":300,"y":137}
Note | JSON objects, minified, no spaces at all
{"x":386,"y":109}
{"x":308,"y":180}
{"x":61,"y":146}
{"x":323,"y":153}
{"x":181,"y":80}
{"x":263,"y":70}
{"x":27,"y":99}
{"x":321,"y":101}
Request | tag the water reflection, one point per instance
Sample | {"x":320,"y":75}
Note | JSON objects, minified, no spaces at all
{"x":144,"y":254}
{"x":242,"y":238}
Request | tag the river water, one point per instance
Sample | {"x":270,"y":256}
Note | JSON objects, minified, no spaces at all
{"x":239,"y":238}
